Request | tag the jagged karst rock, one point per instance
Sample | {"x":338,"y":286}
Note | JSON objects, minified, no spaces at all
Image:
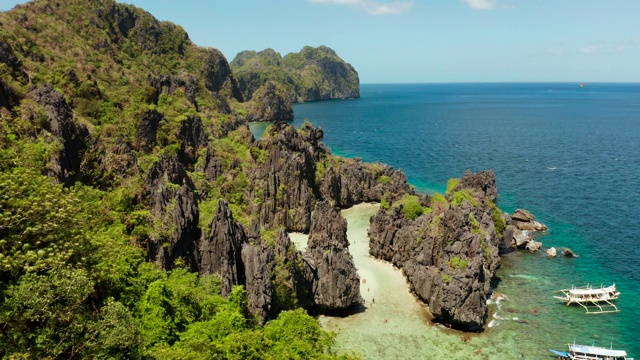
{"x":147,"y":130}
{"x":525,"y":220}
{"x":168,"y":84}
{"x":269,"y":103}
{"x":218,"y":75}
{"x":211,"y":166}
{"x":65,"y":165}
{"x":170,"y":194}
{"x":335,"y":284}
{"x":352,"y":183}
{"x":533,"y":246}
{"x":221,"y":250}
{"x":285,"y":182}
{"x":192,"y":138}
{"x":8,"y":57}
{"x":259,"y":263}
{"x":448,"y":255}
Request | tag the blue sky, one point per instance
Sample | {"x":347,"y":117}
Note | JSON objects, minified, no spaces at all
{"x":402,"y":41}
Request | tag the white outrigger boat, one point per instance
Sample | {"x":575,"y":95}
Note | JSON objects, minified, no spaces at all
{"x":595,"y":300}
{"x":585,"y":352}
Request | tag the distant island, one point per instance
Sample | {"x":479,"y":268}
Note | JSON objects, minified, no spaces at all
{"x":312,"y":74}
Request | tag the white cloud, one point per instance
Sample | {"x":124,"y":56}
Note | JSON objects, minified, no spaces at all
{"x":482,"y":4}
{"x":372,"y":7}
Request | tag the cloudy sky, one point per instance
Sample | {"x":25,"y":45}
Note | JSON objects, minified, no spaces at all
{"x":402,"y":41}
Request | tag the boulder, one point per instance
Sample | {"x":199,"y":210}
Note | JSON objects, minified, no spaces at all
{"x":533,"y":246}
{"x":568,"y":253}
{"x":521,"y":238}
{"x":552,"y":252}
{"x":525,"y":220}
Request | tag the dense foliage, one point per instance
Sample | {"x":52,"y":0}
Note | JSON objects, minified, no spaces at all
{"x":75,"y":280}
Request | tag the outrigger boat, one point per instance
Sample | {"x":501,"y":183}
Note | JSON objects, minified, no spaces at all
{"x":595,"y":300}
{"x":585,"y":352}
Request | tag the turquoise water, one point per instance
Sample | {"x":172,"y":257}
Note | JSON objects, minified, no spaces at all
{"x":570,"y":155}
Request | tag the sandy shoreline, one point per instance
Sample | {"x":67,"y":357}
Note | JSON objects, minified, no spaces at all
{"x":394,"y":324}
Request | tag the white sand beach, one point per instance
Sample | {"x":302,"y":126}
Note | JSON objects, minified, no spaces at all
{"x":394,"y":324}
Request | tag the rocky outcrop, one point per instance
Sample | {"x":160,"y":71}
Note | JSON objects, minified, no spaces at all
{"x":217,"y":75}
{"x":285,"y":182}
{"x":449,"y":255}
{"x":259,"y":264}
{"x":170,"y":194}
{"x":168,"y":84}
{"x":352,"y":182}
{"x":65,"y":164}
{"x":147,"y":130}
{"x":270,"y":103}
{"x":192,"y":138}
{"x":299,"y":170}
{"x":221,"y":250}
{"x":525,"y":220}
{"x":312,"y":74}
{"x":335,"y":283}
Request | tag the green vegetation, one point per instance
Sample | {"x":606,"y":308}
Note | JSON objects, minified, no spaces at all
{"x":411,"y":207}
{"x":383,"y":179}
{"x":438,"y":199}
{"x":464,"y":194}
{"x":498,"y":221}
{"x":446,"y":278}
{"x":74,"y":280}
{"x":457,"y":263}
{"x":312,"y":74}
{"x":452,"y":184}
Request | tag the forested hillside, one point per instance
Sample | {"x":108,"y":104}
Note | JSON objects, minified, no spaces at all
{"x":124,"y":159}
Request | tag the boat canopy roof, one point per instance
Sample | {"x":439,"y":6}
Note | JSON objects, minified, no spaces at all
{"x":596,"y":350}
{"x":593,"y":291}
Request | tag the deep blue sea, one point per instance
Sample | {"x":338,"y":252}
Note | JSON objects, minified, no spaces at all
{"x":568,"y":154}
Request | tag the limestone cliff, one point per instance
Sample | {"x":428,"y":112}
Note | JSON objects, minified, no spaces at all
{"x":449,"y":254}
{"x":310,"y":75}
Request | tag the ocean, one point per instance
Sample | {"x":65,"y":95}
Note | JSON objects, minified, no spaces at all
{"x":568,"y":154}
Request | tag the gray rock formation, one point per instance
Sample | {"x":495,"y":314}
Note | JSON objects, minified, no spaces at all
{"x":65,"y":164}
{"x":147,"y":130}
{"x":285,"y":181}
{"x":353,"y":182}
{"x":449,"y":255}
{"x":335,"y":282}
{"x":524,"y":220}
{"x":259,"y":264}
{"x":220,"y":251}
{"x":270,"y":103}
{"x":170,"y":194}
{"x":192,"y":138}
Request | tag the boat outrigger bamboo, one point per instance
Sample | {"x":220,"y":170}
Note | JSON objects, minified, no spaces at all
{"x":585,"y":352}
{"x":595,"y":300}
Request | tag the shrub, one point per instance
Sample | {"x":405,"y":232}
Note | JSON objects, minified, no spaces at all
{"x":452,"y":184}
{"x":411,"y":207}
{"x":383,"y":179}
{"x":463,"y":194}
{"x":457,"y":263}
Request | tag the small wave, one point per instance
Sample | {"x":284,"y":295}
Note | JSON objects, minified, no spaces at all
{"x":493,"y":323}
{"x":552,"y":168}
{"x":526,"y":277}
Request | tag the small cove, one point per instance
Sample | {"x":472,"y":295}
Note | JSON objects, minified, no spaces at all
{"x":394,"y":324}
